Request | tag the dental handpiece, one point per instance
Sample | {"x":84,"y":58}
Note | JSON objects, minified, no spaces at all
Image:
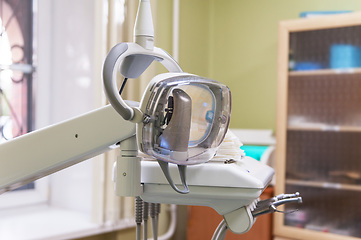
{"x":270,"y":205}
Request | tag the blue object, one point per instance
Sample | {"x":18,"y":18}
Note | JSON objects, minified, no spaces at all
{"x":254,"y":151}
{"x":345,"y":56}
{"x":209,"y":116}
{"x":305,"y":66}
{"x":317,"y":13}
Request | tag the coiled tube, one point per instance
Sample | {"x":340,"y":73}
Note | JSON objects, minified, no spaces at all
{"x":138,"y":216}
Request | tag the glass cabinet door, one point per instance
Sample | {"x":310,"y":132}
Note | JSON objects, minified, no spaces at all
{"x":321,"y":138}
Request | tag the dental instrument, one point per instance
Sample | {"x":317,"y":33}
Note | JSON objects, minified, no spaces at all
{"x":179,"y":125}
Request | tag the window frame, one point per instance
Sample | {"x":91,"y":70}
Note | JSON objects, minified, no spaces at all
{"x":20,"y":198}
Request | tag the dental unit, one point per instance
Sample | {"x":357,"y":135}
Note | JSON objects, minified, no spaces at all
{"x":170,"y":142}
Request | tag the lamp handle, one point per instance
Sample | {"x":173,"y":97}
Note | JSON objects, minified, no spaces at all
{"x":133,"y":60}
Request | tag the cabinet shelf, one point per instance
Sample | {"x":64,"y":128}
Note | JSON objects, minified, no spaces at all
{"x":321,"y":72}
{"x":323,"y":127}
{"x":320,"y":184}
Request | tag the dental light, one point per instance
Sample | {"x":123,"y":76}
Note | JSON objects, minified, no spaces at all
{"x":179,"y":124}
{"x":182,"y":118}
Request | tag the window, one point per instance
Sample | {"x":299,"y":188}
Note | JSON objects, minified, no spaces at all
{"x":70,"y":47}
{"x":16,"y":84}
{"x":16,"y":66}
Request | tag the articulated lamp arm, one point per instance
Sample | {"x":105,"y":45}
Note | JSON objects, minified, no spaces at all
{"x":45,"y":151}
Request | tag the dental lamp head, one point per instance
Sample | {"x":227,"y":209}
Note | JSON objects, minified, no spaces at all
{"x":182,"y":118}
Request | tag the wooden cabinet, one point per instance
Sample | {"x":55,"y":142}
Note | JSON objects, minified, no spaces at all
{"x":203,"y":221}
{"x":281,"y":238}
{"x":318,"y":134}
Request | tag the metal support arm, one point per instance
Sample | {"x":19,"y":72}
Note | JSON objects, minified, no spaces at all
{"x":45,"y":151}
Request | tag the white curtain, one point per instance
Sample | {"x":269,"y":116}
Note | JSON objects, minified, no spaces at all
{"x":120,"y":19}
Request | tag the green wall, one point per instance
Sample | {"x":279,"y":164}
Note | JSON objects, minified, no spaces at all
{"x":194,"y":44}
{"x":235,"y":42}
